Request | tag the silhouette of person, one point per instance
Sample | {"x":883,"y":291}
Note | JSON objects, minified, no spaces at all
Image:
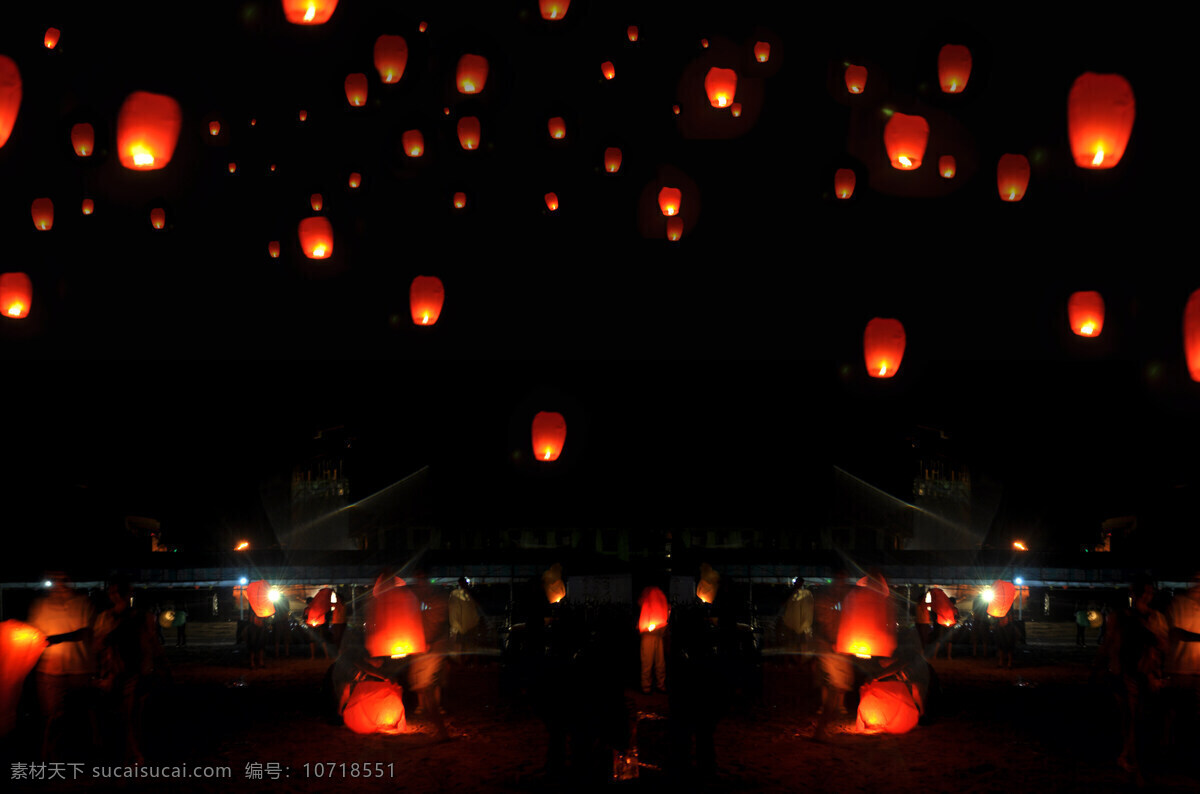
{"x":65,"y":670}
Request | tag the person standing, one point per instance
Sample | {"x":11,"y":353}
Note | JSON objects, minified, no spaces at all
{"x":181,"y":627}
{"x":426,"y":670}
{"x":1183,"y":666}
{"x":1081,"y":624}
{"x":836,"y":669}
{"x":65,"y":670}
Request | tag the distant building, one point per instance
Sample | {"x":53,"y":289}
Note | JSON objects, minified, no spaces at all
{"x":941,"y":494}
{"x":320,"y":495}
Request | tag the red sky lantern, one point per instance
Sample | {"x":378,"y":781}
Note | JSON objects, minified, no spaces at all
{"x":424,"y":26}
{"x":943,"y":610}
{"x":460,"y":200}
{"x":233,"y":168}
{"x":214,"y":128}
{"x":762,"y":51}
{"x":1003,"y":594}
{"x":954,"y":68}
{"x":557,"y":127}
{"x":905,"y":137}
{"x":669,"y":199}
{"x":843,"y":183}
{"x":272,"y":168}
{"x":710,"y":582}
{"x":552,"y":201}
{"x":253,"y":122}
{"x":51,"y":38}
{"x":675,"y":228}
{"x":856,"y":78}
{"x":316,"y":238}
{"x":1191,"y":334}
{"x":158,"y":218}
{"x":867,"y":626}
{"x":675,"y":109}
{"x":413,"y":142}
{"x":89,"y":206}
{"x":314,"y":614}
{"x":946,"y":166}
{"x":393,"y":624}
{"x":1012,"y":176}
{"x":355,"y":179}
{"x":1100,"y":111}
{"x":1085,"y":311}
{"x":886,"y":707}
{"x":308,"y":12}
{"x":554,"y":9}
{"x":612,"y":159}
{"x":608,"y":70}
{"x":258,"y":594}
{"x":147,"y":130}
{"x":356,"y":89}
{"x":273,"y":249}
{"x":83,"y":139}
{"x":883,"y":346}
{"x":303,"y":115}
{"x":16,"y":295}
{"x":735,"y":109}
{"x":10,"y":96}
{"x":391,"y":56}
{"x":316,"y":202}
{"x":632,"y":32}
{"x":373,"y":707}
{"x":425,"y":298}
{"x":704,"y":44}
{"x":655,"y":610}
{"x":21,"y":646}
{"x":471,"y":74}
{"x":42,"y":211}
{"x":721,"y":86}
{"x":469,"y":132}
{"x":549,"y":435}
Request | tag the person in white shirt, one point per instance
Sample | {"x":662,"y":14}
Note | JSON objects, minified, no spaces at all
{"x":65,"y":671}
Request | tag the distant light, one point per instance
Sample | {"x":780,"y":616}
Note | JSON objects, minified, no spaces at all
{"x":333,"y":598}
{"x":48,"y":583}
{"x":987,"y":594}
{"x":273,"y":594}
{"x":1019,"y":580}
{"x":243,"y":580}
{"x":245,"y":544}
{"x":1020,"y":545}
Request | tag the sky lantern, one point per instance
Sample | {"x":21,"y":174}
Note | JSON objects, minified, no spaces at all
{"x":721,"y":86}
{"x":843,"y":183}
{"x":460,"y":200}
{"x":273,"y":249}
{"x":883,"y":346}
{"x":552,"y":202}
{"x":856,"y":78}
{"x":886,"y":707}
{"x":549,"y":435}
{"x":147,"y":130}
{"x":393,"y":624}
{"x":710,"y":582}
{"x":943,"y":610}
{"x":612,"y":159}
{"x":88,"y":206}
{"x":16,"y":295}
{"x":316,"y":202}
{"x":954,"y":68}
{"x":10,"y":96}
{"x":316,"y":237}
{"x":259,"y":595}
{"x":51,"y":38}
{"x":83,"y":139}
{"x":1085,"y":311}
{"x":314,"y":614}
{"x":608,"y":70}
{"x":557,"y":127}
{"x":655,"y":610}
{"x":669,"y":199}
{"x":424,"y":26}
{"x":905,"y":137}
{"x":356,"y":89}
{"x":1003,"y":594}
{"x":425,"y":298}
{"x":413,"y":142}
{"x":253,"y":122}
{"x":303,"y":115}
{"x":308,"y":12}
{"x":675,"y":228}
{"x":867,"y":627}
{"x":1100,"y":110}
{"x":271,"y":168}
{"x":762,"y":51}
{"x":158,"y":217}
{"x":735,"y":109}
{"x":675,"y":109}
{"x":471,"y":74}
{"x":214,"y":128}
{"x":391,"y":56}
{"x":553,"y":584}
{"x":469,"y":132}
{"x":373,"y":707}
{"x":1191,"y":334}
{"x":233,"y":168}
{"x":355,"y":179}
{"x":632,"y":32}
{"x":704,"y":44}
{"x":946,"y":166}
{"x":42,"y":211}
{"x":554,"y":9}
{"x":1012,"y":176}
{"x":21,"y":646}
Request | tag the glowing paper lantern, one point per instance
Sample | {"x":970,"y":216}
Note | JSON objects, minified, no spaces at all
{"x":393,"y":624}
{"x":883,"y":346}
{"x":1012,"y":176}
{"x":471,"y":74}
{"x":308,"y":12}
{"x":147,"y":130}
{"x":468,"y":132}
{"x":608,"y":70}
{"x":316,"y":202}
{"x":391,"y":56}
{"x":549,"y":435}
{"x":946,"y":166}
{"x":423,"y":27}
{"x":675,"y":109}
{"x":356,"y":89}
{"x":905,"y":137}
{"x":460,"y":200}
{"x":1003,"y":594}
{"x":669,"y":199}
{"x":867,"y":627}
{"x":710,"y":582}
{"x":21,"y":646}
{"x":1191,"y":334}
{"x":51,"y":39}
{"x":303,"y":116}
{"x":42,"y":211}
{"x":88,"y":206}
{"x":632,"y":32}
{"x":856,"y":79}
{"x":214,"y":128}
{"x":557,"y":127}
{"x":554,"y":9}
{"x":259,"y":595}
{"x":314,"y":613}
{"x":1100,"y":111}
{"x":704,"y":44}
{"x":373,"y":707}
{"x":233,"y":168}
{"x":552,"y":201}
{"x":655,"y":610}
{"x":762,"y":51}
{"x":735,"y":109}
{"x":943,"y":610}
{"x":413,"y":142}
{"x":316,"y":238}
{"x":612,"y":159}
{"x":355,"y":179}
{"x":675,"y":229}
{"x":843,"y":183}
{"x":1085,"y":311}
{"x":954,"y":68}
{"x":273,"y":249}
{"x":10,"y":96}
{"x":158,"y":218}
{"x":16,"y":295}
{"x":83,"y":139}
{"x":425,"y":298}
{"x":721,"y":86}
{"x":886,"y":707}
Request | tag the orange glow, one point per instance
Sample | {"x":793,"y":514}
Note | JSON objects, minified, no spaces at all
{"x":675,"y":229}
{"x":51,"y":39}
{"x":423,"y":27}
{"x":391,"y":56}
{"x":655,"y":609}
{"x":16,"y":295}
{"x":883,"y":347}
{"x":905,"y":137}
{"x":612,"y":159}
{"x":42,"y":211}
{"x":273,"y":249}
{"x":316,"y":237}
{"x":946,"y":166}
{"x":369,"y":707}
{"x":272,"y":167}
{"x":469,"y":132}
{"x":632,"y":32}
{"x":1012,"y":176}
{"x":954,"y":68}
{"x":316,"y":202}
{"x":886,"y":707}
{"x":255,"y":121}
{"x":21,"y":646}
{"x":844,"y":180}
{"x":1191,"y":335}
{"x":608,"y":70}
{"x":158,"y":218}
{"x":856,"y":79}
{"x":557,"y":127}
{"x":393,"y":623}
{"x":762,"y":51}
{"x":233,"y":168}
{"x":554,"y":9}
{"x":308,"y":12}
{"x":552,"y":201}
{"x":314,"y":613}
{"x":413,"y":142}
{"x":471,"y":74}
{"x":549,"y":435}
{"x":214,"y":128}
{"x":721,"y":86}
{"x":303,"y":115}
{"x":867,"y":625}
{"x":1003,"y":594}
{"x":1020,"y":546}
{"x":10,"y":96}
{"x":675,"y":109}
{"x":943,"y":610}
{"x":556,"y":591}
{"x":147,"y":130}
{"x":735,"y":109}
{"x":355,"y":179}
{"x":704,"y":43}
{"x":425,"y":298}
{"x":356,"y":89}
{"x":259,"y":595}
{"x":245,"y":544}
{"x":1085,"y":312}
{"x":83,"y":139}
{"x":89,"y":206}
{"x":460,"y":200}
{"x":669,"y":200}
{"x":1100,"y":113}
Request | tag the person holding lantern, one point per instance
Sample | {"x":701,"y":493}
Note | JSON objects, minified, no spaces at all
{"x":652,"y":624}
{"x":64,"y":672}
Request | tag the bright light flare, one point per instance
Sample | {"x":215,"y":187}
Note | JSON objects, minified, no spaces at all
{"x":273,"y":594}
{"x":1020,"y":545}
{"x":311,"y":13}
{"x":245,"y":544}
{"x":1099,"y":158}
{"x":904,"y":161}
{"x":1088,"y":329}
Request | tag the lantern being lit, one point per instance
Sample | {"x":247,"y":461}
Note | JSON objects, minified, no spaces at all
{"x":259,"y":595}
{"x":314,"y":615}
{"x":557,"y":127}
{"x":1012,"y":176}
{"x":1100,"y":111}
{"x":42,"y":211}
{"x":608,"y":70}
{"x":954,"y":68}
{"x":469,"y":132}
{"x":308,"y":12}
{"x":425,"y":298}
{"x":369,"y":707}
{"x":1191,"y":335}
{"x":721,"y":86}
{"x":391,"y":56}
{"x":612,"y":159}
{"x":883,"y":346}
{"x":856,"y":78}
{"x":356,"y":89}
{"x":83,"y":139}
{"x":16,"y":295}
{"x":316,"y":238}
{"x":843,"y":183}
{"x":471,"y":74}
{"x":710,"y":582}
{"x":1085,"y":311}
{"x":669,"y":200}
{"x":553,"y":584}
{"x":147,"y":130}
{"x":867,"y":626}
{"x":943,"y":610}
{"x":946,"y":166}
{"x":393,"y":624}
{"x":886,"y":707}
{"x":549,"y":435}
{"x":905,"y":137}
{"x":552,"y":202}
{"x":1003,"y":594}
{"x":554,"y":9}
{"x":413,"y":142}
{"x":158,"y":217}
{"x":655,"y":610}
{"x":21,"y":646}
{"x":762,"y":51}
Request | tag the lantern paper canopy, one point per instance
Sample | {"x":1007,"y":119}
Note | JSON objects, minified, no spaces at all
{"x":316,"y":202}
{"x":83,"y":139}
{"x":10,"y":96}
{"x":549,"y":435}
{"x":735,"y":109}
{"x":273,"y":249}
{"x":886,"y":707}
{"x":553,"y":584}
{"x":51,"y":38}
{"x":425,"y":298}
{"x":1100,"y":111}
{"x":608,"y":70}
{"x":905,"y":137}
{"x":308,"y":12}
{"x":391,"y":56}
{"x":762,"y":51}
{"x":954,"y":68}
{"x":233,"y":168}
{"x":883,"y":346}
{"x":88,"y":206}
{"x":413,"y":142}
{"x":669,"y":200}
{"x":704,"y":43}
{"x":867,"y":626}
{"x":1012,"y":176}
{"x":424,"y":26}
{"x":314,"y":614}
{"x":947,"y":166}
{"x":552,"y":201}
{"x":843,"y":183}
{"x":856,"y":79}
{"x":557,"y":127}
{"x":675,"y":109}
{"x":655,"y":610}
{"x":468,"y":132}
{"x":943,"y":610}
{"x":1191,"y":334}
{"x":612,"y":159}
{"x":471,"y":74}
{"x":1003,"y":594}
{"x":316,"y":238}
{"x":721,"y":86}
{"x":16,"y":295}
{"x":1085,"y":311}
{"x":303,"y":117}
{"x":214,"y":128}
{"x":632,"y":32}
{"x":675,"y":228}
{"x":554,"y":9}
{"x":373,"y":707}
{"x":158,"y":218}
{"x":147,"y":130}
{"x":393,"y":624}
{"x":356,"y":89}
{"x":21,"y":646}
{"x":42,"y":211}
{"x":258,"y":594}
{"x":355,"y":179}
{"x":460,"y":200}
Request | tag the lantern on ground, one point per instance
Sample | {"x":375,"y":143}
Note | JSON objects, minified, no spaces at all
{"x":471,"y":74}
{"x":356,"y":89}
{"x":147,"y":130}
{"x":1191,"y":334}
{"x":946,"y":166}
{"x":549,"y":435}
{"x":158,"y":218}
{"x":391,"y":56}
{"x":21,"y":646}
{"x":83,"y":139}
{"x":16,"y":295}
{"x":214,"y":128}
{"x":469,"y":132}
{"x":655,"y":610}
{"x":51,"y":38}
{"x":669,"y":199}
{"x":608,"y":70}
{"x":554,"y":9}
{"x":314,"y":613}
{"x":762,"y":51}
{"x":886,"y":707}
{"x":1012,"y":176}
{"x":867,"y":627}
{"x":552,"y":201}
{"x":460,"y":200}
{"x":856,"y":78}
{"x":632,"y":32}
{"x":373,"y":707}
{"x":425,"y":298}
{"x":905,"y":137}
{"x":273,"y":249}
{"x":943,"y":610}
{"x":355,"y":180}
{"x":393,"y":624}
{"x":954,"y":68}
{"x":1100,"y":111}
{"x":675,"y":228}
{"x":88,"y":207}
{"x":42,"y":211}
{"x":710,"y":582}
{"x":721,"y":86}
{"x":10,"y":96}
{"x":557,"y":127}
{"x":413,"y":142}
{"x":883,"y":346}
{"x":308,"y":12}
{"x":259,"y":595}
{"x":843,"y":183}
{"x":316,"y":238}
{"x":1003,"y":594}
{"x":612,"y":159}
{"x":1085,"y":312}
{"x":316,"y":202}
